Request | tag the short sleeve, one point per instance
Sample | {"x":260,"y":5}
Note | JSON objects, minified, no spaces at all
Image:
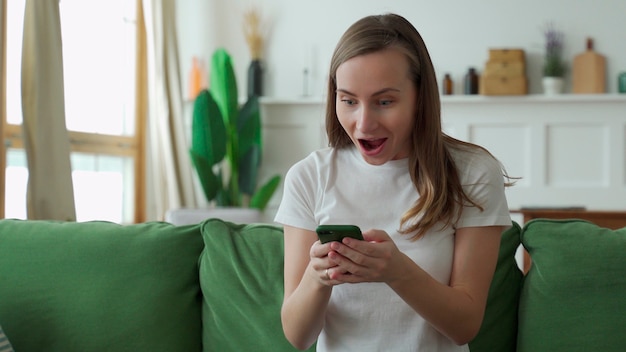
{"x":297,"y":207}
{"x":483,"y":181}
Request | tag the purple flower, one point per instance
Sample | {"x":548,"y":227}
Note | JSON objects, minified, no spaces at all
{"x":554,"y":65}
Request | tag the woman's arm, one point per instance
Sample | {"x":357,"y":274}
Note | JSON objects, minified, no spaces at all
{"x":307,"y":289}
{"x":457,"y":309}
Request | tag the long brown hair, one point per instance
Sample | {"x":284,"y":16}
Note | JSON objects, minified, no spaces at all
{"x":433,"y":172}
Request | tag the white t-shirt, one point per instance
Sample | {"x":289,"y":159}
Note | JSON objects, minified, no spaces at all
{"x":336,"y":186}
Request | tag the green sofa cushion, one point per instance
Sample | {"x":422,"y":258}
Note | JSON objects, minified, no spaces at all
{"x":499,"y":328}
{"x":574,"y":296}
{"x":241,"y":275}
{"x":99,"y":286}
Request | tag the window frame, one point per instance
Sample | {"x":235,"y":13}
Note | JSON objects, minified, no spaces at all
{"x":3,"y":70}
{"x":132,"y":146}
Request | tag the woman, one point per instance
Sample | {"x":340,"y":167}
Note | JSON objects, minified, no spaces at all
{"x":432,"y":207}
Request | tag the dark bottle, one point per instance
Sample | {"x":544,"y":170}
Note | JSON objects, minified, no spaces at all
{"x":471,"y":82}
{"x":621,"y":82}
{"x":255,"y":78}
{"x":448,"y":86}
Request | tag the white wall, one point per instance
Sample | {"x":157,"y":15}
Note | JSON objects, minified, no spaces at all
{"x":458,"y":33}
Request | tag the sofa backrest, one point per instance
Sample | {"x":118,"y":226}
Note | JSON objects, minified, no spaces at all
{"x":100,"y":286}
{"x":219,"y":286}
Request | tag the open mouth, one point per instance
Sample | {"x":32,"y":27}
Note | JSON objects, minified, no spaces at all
{"x":371,"y":145}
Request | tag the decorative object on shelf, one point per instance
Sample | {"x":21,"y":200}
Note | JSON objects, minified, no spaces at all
{"x":554,"y":66}
{"x":255,"y":78}
{"x":505,"y":73}
{"x":621,"y":82}
{"x":471,"y":82}
{"x":197,"y":76}
{"x":589,"y":73}
{"x":226,"y":141}
{"x":255,"y":39}
{"x":305,"y":82}
{"x":448,"y":85}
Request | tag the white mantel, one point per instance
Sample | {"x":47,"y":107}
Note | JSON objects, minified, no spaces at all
{"x":569,"y":150}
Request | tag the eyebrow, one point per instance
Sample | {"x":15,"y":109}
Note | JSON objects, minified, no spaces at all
{"x":382,"y":91}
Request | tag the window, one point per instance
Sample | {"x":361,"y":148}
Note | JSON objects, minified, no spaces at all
{"x":99,"y":59}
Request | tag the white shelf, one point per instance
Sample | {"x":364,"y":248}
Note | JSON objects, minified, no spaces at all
{"x":535,"y":98}
{"x":478,"y":99}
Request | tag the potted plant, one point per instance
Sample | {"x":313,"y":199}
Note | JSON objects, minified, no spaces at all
{"x":226,"y":145}
{"x":554,"y":67}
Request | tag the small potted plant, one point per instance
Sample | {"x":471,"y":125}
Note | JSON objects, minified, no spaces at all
{"x":554,"y":67}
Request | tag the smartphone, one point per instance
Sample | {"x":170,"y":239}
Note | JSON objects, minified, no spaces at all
{"x":328,"y":233}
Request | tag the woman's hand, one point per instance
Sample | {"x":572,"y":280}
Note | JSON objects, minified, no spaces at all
{"x":321,"y":264}
{"x":376,"y":259}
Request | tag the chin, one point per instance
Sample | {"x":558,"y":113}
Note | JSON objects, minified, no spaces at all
{"x":374,"y":160}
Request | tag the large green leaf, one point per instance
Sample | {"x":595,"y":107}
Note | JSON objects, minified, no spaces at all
{"x":223,"y":86}
{"x":249,"y":126}
{"x":210,"y":182}
{"x":260,"y":199}
{"x":208,"y":138}
{"x":249,"y":169}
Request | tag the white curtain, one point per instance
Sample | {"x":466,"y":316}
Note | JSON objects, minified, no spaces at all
{"x":3,"y":9}
{"x":169,"y":170}
{"x":50,"y":194}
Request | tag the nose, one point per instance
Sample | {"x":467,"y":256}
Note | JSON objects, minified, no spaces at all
{"x":366,"y":120}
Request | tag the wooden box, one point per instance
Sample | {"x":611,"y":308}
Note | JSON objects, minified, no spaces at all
{"x":503,"y":85}
{"x":504,"y":68}
{"x":505,"y":73}
{"x":507,"y":55}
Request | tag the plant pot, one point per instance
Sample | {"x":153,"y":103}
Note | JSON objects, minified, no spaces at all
{"x":188,"y":216}
{"x":552,"y":85}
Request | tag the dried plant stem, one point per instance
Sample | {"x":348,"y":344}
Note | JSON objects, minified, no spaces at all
{"x":253,"y":33}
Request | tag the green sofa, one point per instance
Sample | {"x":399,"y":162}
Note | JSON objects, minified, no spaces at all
{"x":217,"y":286}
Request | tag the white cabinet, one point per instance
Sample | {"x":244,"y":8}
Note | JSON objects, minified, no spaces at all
{"x":569,"y":150}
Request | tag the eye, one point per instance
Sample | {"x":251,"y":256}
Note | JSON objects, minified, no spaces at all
{"x":348,"y":101}
{"x":385,"y":102}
